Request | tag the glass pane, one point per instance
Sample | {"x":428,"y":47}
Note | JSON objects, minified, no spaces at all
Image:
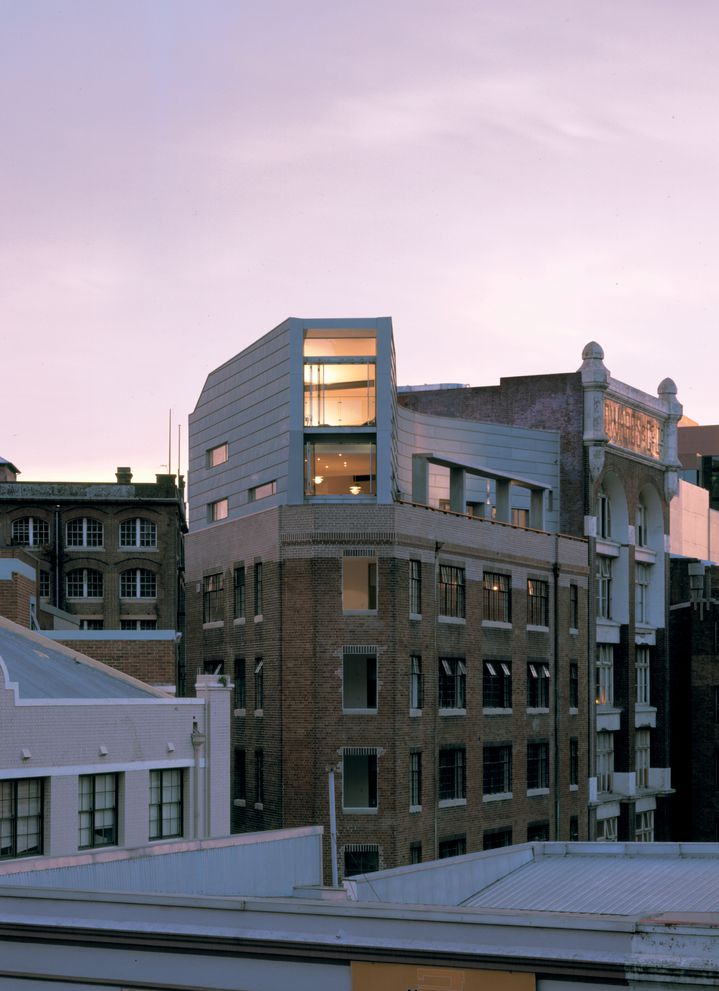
{"x":336,"y":344}
{"x":339,"y":467}
{"x":339,"y":395}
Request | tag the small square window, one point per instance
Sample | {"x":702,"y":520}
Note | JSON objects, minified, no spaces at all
{"x":219,"y":510}
{"x":218,"y":455}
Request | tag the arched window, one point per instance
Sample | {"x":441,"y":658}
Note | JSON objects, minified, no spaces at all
{"x":31,"y":531}
{"x":138,"y":532}
{"x":84,"y":532}
{"x":84,"y":583}
{"x":138,"y":583}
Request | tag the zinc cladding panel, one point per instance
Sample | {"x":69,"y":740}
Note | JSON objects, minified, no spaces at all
{"x":44,"y":672}
{"x":607,"y":886}
{"x":245,"y":402}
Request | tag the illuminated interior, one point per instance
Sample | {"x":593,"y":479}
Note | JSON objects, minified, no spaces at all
{"x":340,"y":344}
{"x":339,"y":395}
{"x":340,"y":466}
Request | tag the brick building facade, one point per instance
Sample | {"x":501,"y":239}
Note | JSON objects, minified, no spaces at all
{"x":109,"y":563}
{"x":354,"y":569}
{"x":618,"y":475}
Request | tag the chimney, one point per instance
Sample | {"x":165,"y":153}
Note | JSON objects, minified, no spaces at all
{"x":123,"y":476}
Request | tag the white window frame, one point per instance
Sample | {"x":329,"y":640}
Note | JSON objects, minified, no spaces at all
{"x":91,"y":529}
{"x":142,"y":531}
{"x":604,"y":587}
{"x":604,"y":516}
{"x":605,"y":674}
{"x":29,"y":526}
{"x":85,"y":584}
{"x":642,"y":580}
{"x":644,"y":827}
{"x":607,"y":830}
{"x":643,"y":677}
{"x":137,"y":578}
{"x":643,"y":757}
{"x":605,"y":761}
{"x":640,"y":529}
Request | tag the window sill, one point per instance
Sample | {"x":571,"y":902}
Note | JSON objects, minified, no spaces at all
{"x":75,"y":548}
{"x":359,"y":811}
{"x":574,"y":787}
{"x":573,"y":631}
{"x":496,"y":712}
{"x":452,"y":620}
{"x":359,"y":712}
{"x":259,"y":713}
{"x":139,"y":550}
{"x":238,"y":621}
{"x":415,"y":616}
{"x":239,"y":712}
{"x":259,"y":617}
{"x":451,"y":803}
{"x":609,"y":548}
{"x":240,"y":803}
{"x":496,"y":624}
{"x":644,"y":555}
{"x":414,"y":713}
{"x":415,"y":808}
{"x":535,"y":792}
{"x":500,"y":796}
{"x":214,"y":625}
{"x":536,"y":628}
{"x":453,"y":712}
{"x":573,"y":710}
{"x":359,"y":612}
{"x":260,"y":806}
{"x":540,"y":710}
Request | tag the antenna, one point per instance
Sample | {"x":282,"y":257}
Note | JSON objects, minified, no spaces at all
{"x":179,"y":431}
{"x":169,"y":444}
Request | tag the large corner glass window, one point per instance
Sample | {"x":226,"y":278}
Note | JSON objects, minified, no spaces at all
{"x":339,"y":394}
{"x":340,"y":466}
{"x":359,"y":583}
{"x":339,"y":343}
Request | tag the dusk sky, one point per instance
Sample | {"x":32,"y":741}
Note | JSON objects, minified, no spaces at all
{"x":506,"y":180}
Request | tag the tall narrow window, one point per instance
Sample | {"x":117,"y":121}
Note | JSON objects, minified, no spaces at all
{"x":165,"y":803}
{"x":537,"y":765}
{"x":640,"y":530}
{"x":641,"y":579}
{"x":240,"y":684}
{"x":452,"y":774}
{"x":259,"y":777}
{"x":573,"y":761}
{"x":497,"y":597}
{"x":259,"y":684}
{"x":415,"y":587}
{"x":574,"y":607}
{"x":359,"y":778}
{"x":605,"y":761}
{"x":607,"y":830}
{"x":258,"y":589}
{"x":645,"y":827}
{"x":573,"y":685}
{"x":604,"y":587}
{"x":642,"y":673}
{"x":415,"y":779}
{"x":98,"y":810}
{"x":239,"y":592}
{"x":239,"y":786}
{"x":416,"y":683}
{"x":359,"y":583}
{"x":605,"y":674}
{"x":643,"y":758}
{"x":359,"y":682}
{"x":604,"y":516}
{"x":452,"y":683}
{"x":451,"y":591}
{"x":213,"y":598}
{"x":21,"y":817}
{"x":537,"y":602}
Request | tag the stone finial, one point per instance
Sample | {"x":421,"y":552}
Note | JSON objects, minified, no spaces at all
{"x":593,"y":350}
{"x":667,"y":387}
{"x":594,"y":371}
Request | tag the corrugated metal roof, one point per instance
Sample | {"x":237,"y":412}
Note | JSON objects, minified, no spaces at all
{"x":44,"y":670}
{"x":605,"y":885}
